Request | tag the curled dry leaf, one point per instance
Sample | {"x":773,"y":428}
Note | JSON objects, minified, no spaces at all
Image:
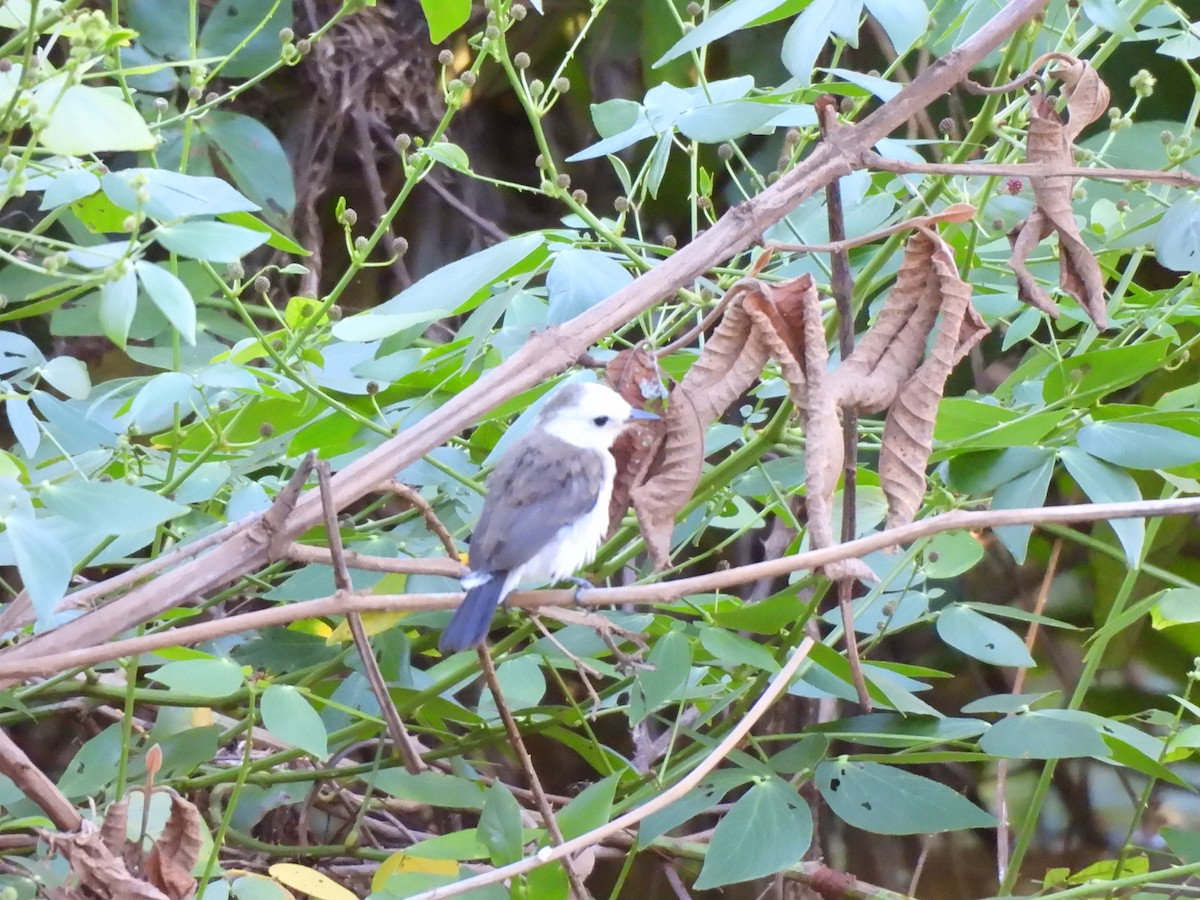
{"x":635,"y":376}
{"x":106,"y":864}
{"x":908,"y":429}
{"x":1050,"y":142}
{"x":758,"y":321}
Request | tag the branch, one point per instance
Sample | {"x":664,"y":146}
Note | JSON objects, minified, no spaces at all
{"x":96,"y":651}
{"x":547,"y":353}
{"x":1029,"y":170}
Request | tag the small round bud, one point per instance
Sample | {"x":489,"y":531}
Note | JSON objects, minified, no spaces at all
{"x":262,"y":284}
{"x":579,"y":196}
{"x":946,"y":126}
{"x":491,"y":33}
{"x":402,"y":142}
{"x":266,"y":429}
{"x":1122,"y":205}
{"x":454,"y":86}
{"x":536,"y":88}
{"x":1114,"y":113}
{"x":997,"y":224}
{"x":1167,"y":137}
{"x":846,"y":106}
{"x":129,"y":223}
{"x":372,"y":388}
{"x":1143,"y":83}
{"x":539,"y":161}
{"x":399,"y":246}
{"x":194,"y":93}
{"x":304,"y":45}
{"x":521,"y":60}
{"x":350,"y":216}
{"x":694,"y":9}
{"x":278,"y":344}
{"x":773,"y":177}
{"x":360,"y":244}
{"x":161,"y":104}
{"x":670,"y":242}
{"x":518,"y":12}
{"x":142,"y":195}
{"x":792,"y":137}
{"x":562,"y":84}
{"x":1014,"y":186}
{"x":621,"y":204}
{"x":5,"y":65}
{"x":705,"y":202}
{"x":491,"y":17}
{"x":547,"y":186}
{"x":235,"y":271}
{"x":9,"y":163}
{"x":467,"y":78}
{"x":725,"y":151}
{"x":563,"y":181}
{"x":334,"y":313}
{"x":286,"y":35}
{"x":445,"y":57}
{"x":212,"y":97}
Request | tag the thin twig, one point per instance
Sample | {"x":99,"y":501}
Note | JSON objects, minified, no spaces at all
{"x":13,"y":669}
{"x":451,"y":568}
{"x":535,"y":784}
{"x":341,"y":577}
{"x":1003,"y":836}
{"x":841,"y":283}
{"x":873,"y":160}
{"x":413,"y":497}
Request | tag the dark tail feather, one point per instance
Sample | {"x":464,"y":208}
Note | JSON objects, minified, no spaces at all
{"x":472,"y":620}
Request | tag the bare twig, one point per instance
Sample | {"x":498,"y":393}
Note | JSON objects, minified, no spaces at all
{"x":545,"y":354}
{"x":664,"y":592}
{"x":451,"y":568}
{"x":872,"y":160}
{"x":535,"y":785}
{"x":341,"y":576}
{"x":414,"y":498}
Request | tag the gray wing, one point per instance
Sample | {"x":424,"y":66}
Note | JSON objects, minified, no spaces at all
{"x":539,"y":486}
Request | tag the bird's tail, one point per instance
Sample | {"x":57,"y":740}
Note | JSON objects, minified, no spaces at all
{"x":472,"y":620}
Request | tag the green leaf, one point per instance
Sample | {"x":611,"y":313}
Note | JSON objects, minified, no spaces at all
{"x":671,"y":660}
{"x":255,"y":159}
{"x":522,"y":684}
{"x":17,"y":13}
{"x":373,"y":326}
{"x":288,"y":715}
{"x":1026,"y":491}
{"x":171,"y":297}
{"x":229,"y":25}
{"x":951,"y":553}
{"x":1134,"y":445}
{"x":24,"y":424}
{"x":68,"y":186}
{"x":275,"y":238}
{"x":768,"y":829}
{"x":725,"y":21}
{"x":445,"y":17}
{"x":590,"y":809}
{"x":432,"y":788}
{"x":214,"y":241}
{"x":42,"y":562}
{"x":821,"y":20}
{"x":1184,"y":844}
{"x":801,"y":756}
{"x":729,"y":649}
{"x":973,"y":424}
{"x":449,"y":155}
{"x":68,"y":375}
{"x":579,"y":279}
{"x":500,"y":825}
{"x":1105,"y":370}
{"x":1177,"y":239}
{"x":1034,"y":736}
{"x":88,"y":120}
{"x":885,"y":800}
{"x":904,"y":21}
{"x":201,"y":677}
{"x":1105,"y":483}
{"x":118,"y":303}
{"x":1177,"y":606}
{"x":706,"y":795}
{"x":109,"y":507}
{"x":980,"y":637}
{"x":174,"y":195}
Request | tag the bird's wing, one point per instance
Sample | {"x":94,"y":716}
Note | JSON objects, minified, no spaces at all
{"x":539,"y":486}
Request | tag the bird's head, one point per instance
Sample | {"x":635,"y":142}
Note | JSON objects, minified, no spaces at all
{"x":588,"y":415}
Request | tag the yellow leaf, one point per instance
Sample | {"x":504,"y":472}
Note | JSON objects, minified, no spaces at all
{"x":373,"y":623}
{"x":312,"y":882}
{"x":406,"y":862}
{"x":202,"y":716}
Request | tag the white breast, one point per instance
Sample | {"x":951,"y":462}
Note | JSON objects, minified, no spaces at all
{"x":576,"y":544}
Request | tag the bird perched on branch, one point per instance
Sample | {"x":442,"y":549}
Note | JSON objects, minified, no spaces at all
{"x":546,"y":511}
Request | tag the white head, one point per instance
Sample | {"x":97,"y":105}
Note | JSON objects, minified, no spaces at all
{"x":588,"y":415}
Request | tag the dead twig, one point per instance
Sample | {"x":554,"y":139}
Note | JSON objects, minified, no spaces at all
{"x":414,"y":498}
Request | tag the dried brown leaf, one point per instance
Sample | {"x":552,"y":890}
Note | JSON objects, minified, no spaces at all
{"x":634,"y":374}
{"x":908,"y":430}
{"x":673,"y":479}
{"x":176,"y":852}
{"x":1050,"y":142}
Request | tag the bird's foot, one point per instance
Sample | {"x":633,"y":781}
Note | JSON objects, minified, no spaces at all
{"x":581,"y":584}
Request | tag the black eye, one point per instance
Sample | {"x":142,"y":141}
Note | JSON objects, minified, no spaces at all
{"x":600,"y":421}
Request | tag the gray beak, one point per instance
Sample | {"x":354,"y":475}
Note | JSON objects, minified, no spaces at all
{"x":644,"y":415}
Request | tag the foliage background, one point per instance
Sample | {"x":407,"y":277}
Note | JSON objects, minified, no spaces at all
{"x":173,"y":347}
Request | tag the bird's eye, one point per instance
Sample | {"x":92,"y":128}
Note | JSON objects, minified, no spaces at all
{"x":600,"y":421}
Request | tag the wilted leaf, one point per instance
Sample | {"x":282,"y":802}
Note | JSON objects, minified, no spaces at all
{"x":634,"y":375}
{"x":1050,"y":143}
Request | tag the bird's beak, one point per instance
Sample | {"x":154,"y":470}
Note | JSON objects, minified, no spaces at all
{"x":644,"y":415}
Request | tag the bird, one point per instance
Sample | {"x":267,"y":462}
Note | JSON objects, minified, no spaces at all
{"x":546,"y":510}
